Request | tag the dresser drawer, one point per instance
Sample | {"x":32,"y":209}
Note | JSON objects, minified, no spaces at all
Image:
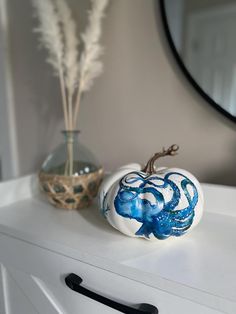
{"x":39,"y":275}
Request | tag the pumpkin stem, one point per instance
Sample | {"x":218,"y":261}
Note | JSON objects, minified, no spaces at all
{"x":171,"y":151}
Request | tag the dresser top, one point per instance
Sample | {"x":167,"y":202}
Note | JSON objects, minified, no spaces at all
{"x":199,"y":265}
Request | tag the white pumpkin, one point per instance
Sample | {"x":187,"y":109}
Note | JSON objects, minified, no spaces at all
{"x":152,"y":203}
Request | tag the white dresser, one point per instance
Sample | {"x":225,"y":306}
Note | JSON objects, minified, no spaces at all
{"x":41,"y":245}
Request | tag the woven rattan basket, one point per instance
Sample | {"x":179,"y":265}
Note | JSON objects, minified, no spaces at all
{"x":71,"y":192}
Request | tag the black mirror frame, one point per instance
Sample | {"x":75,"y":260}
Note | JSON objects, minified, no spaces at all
{"x":183,"y":67}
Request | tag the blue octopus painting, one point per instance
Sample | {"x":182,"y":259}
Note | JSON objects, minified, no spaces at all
{"x":159,"y":216}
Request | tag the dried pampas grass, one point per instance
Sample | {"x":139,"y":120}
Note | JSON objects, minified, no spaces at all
{"x":90,"y":66}
{"x":76,"y":70}
{"x":51,"y":39}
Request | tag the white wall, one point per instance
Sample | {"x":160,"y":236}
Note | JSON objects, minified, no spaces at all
{"x":141,"y":102}
{"x":8,"y":140}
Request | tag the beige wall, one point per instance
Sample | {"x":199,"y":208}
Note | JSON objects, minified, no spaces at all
{"x":141,"y":103}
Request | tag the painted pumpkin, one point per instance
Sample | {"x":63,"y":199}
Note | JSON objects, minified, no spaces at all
{"x":152,"y":203}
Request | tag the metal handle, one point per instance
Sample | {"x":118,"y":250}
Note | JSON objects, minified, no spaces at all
{"x":74,"y":282}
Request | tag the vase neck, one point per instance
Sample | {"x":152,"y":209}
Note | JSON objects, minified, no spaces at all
{"x":71,"y":135}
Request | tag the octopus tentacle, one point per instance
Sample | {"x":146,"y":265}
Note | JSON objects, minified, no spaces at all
{"x":160,"y":219}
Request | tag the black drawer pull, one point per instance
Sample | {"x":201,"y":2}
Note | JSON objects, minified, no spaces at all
{"x":74,"y":282}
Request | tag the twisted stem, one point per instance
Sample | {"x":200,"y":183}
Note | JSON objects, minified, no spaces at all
{"x":150,"y":166}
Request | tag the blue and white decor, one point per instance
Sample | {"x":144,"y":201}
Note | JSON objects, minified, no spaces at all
{"x":167,"y":203}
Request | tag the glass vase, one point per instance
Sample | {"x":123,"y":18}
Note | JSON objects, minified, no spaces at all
{"x":70,"y":176}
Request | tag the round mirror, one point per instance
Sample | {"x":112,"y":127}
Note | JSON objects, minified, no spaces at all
{"x":202,"y":37}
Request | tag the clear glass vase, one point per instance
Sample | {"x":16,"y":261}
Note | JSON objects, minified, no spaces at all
{"x":71,"y":175}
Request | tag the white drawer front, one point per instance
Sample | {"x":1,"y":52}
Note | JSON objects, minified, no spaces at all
{"x":37,"y":276}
